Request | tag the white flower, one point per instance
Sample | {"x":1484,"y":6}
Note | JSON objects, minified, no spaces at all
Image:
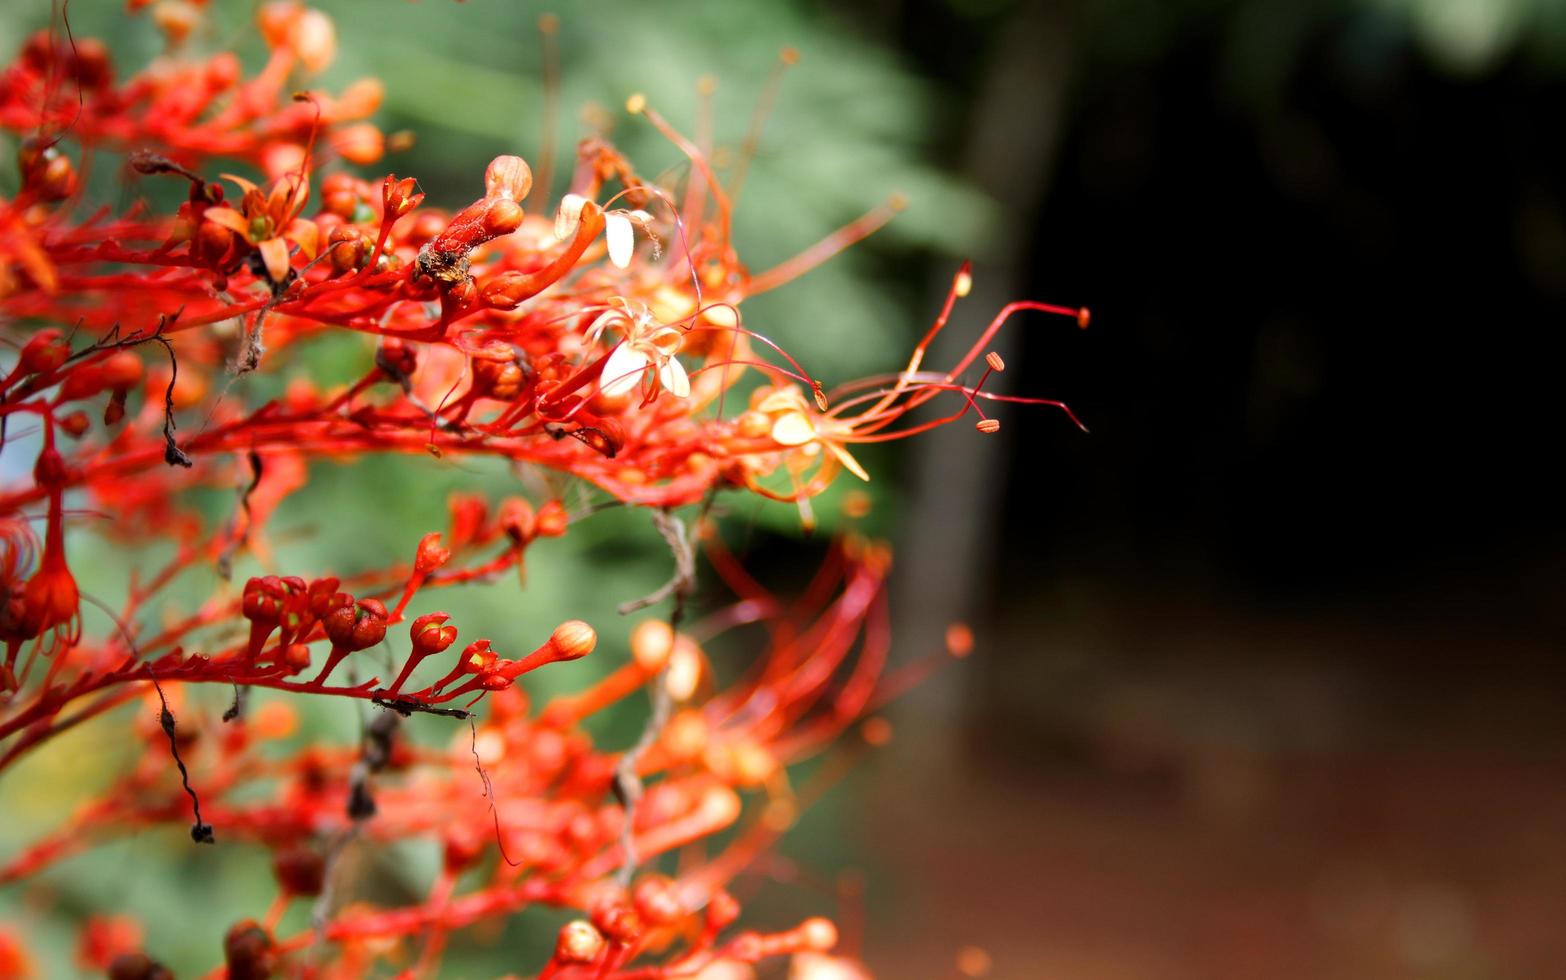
{"x":794,"y":424}
{"x":647,"y":344}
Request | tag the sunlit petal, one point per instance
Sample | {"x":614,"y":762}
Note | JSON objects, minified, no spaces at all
{"x":673,"y":377}
{"x":621,"y":236}
{"x":623,"y":370}
{"x":569,"y":215}
{"x":230,"y":219}
{"x":306,"y":235}
{"x":274,"y":252}
{"x":793,"y":429}
{"x":782,"y":399}
{"x":849,"y":462}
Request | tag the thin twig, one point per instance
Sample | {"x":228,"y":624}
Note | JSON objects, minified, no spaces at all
{"x":627,"y":783}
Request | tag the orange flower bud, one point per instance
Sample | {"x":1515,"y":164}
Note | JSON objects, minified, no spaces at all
{"x":578,"y":942}
{"x":314,"y":39}
{"x":361,"y":144}
{"x":508,"y":177}
{"x":574,"y":639}
{"x":502,"y":218}
{"x":552,"y":519}
{"x":276,"y":22}
{"x":360,"y":99}
{"x":651,"y":644}
{"x":657,"y":901}
{"x":176,"y":19}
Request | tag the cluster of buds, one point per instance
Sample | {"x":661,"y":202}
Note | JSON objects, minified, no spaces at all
{"x":599,"y":337}
{"x":555,"y":829}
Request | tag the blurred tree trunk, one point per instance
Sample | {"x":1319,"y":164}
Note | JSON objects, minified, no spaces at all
{"x":949,"y":527}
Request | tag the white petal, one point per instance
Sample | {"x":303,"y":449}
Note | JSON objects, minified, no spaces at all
{"x":781,"y":400}
{"x":569,"y":215}
{"x":848,"y":461}
{"x":623,"y":371}
{"x":673,"y":377}
{"x":607,"y":319}
{"x":793,"y":429}
{"x":621,"y":237}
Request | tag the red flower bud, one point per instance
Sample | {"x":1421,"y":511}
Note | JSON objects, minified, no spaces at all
{"x":552,"y":519}
{"x":115,"y":409}
{"x":84,"y":381}
{"x":619,"y":922}
{"x":138,"y":966}
{"x":396,"y":358}
{"x":122,"y":370}
{"x":262,"y":600}
{"x":398,"y":197}
{"x":506,"y":290}
{"x":294,"y":656}
{"x":300,"y":871}
{"x":44,"y":352}
{"x":50,"y":470}
{"x":477,"y":656}
{"x":247,"y":951}
{"x":322,"y":596}
{"x":352,"y":625}
{"x":348,"y":248}
{"x":430,"y":555}
{"x":495,"y":678}
{"x":431,"y":634}
{"x":469,"y":512}
{"x":518,"y":520}
{"x":75,"y":424}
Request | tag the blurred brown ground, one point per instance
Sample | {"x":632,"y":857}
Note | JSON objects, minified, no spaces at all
{"x":1223,"y":796}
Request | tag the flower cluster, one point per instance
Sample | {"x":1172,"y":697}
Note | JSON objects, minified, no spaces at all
{"x":600,"y":337}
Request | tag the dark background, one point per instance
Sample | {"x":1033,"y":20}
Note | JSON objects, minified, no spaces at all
{"x":1268,"y":682}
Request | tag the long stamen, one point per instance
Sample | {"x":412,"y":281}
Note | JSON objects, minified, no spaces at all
{"x":637,"y":105}
{"x":787,"y":58}
{"x":855,"y":231}
{"x":548,"y":26}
